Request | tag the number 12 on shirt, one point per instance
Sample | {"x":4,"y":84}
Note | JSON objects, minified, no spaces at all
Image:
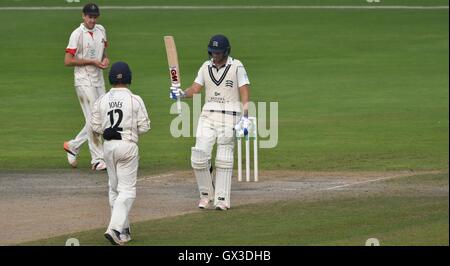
{"x":174,"y":69}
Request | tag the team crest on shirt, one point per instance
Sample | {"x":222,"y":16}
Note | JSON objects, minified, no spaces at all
{"x":229,"y":83}
{"x":216,"y":98}
{"x":92,"y":52}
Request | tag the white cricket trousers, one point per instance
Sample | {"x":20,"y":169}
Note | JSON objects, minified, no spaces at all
{"x":217,"y":128}
{"x":87,"y":96}
{"x":122,"y":160}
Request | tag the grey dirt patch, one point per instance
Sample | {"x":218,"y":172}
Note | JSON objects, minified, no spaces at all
{"x":47,"y":203}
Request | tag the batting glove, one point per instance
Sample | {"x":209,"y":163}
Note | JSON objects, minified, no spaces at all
{"x":176,"y":93}
{"x":243,"y":126}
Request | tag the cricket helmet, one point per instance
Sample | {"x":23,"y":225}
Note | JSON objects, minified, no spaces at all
{"x":120,"y":73}
{"x":219,"y":44}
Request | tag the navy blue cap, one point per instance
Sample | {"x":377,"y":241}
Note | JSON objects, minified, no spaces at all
{"x":91,"y":9}
{"x":120,"y":73}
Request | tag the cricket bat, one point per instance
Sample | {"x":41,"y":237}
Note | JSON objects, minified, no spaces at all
{"x":174,"y":68}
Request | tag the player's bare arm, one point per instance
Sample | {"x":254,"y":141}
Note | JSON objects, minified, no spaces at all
{"x":71,"y":61}
{"x":105,"y":60}
{"x":193,"y":89}
{"x":244,"y":91}
{"x":178,"y":93}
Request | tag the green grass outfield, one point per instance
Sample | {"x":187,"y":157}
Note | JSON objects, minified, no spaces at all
{"x":395,"y":219}
{"x":357,"y":89}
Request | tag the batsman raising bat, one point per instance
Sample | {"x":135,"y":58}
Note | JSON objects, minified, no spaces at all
{"x":225,"y":109}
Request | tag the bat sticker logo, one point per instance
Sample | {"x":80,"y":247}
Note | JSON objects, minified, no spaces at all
{"x":174,"y":75}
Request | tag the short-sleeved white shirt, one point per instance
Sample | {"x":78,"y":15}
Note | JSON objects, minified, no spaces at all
{"x":88,"y":44}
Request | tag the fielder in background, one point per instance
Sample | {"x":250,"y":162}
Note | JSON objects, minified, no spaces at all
{"x":120,"y":116}
{"x":226,"y":107}
{"x":86,"y":53}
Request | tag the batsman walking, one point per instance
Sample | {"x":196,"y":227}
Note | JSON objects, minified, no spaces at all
{"x":86,"y":53}
{"x":226,"y":109}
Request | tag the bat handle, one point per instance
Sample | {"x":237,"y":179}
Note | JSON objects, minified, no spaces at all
{"x":178,"y":106}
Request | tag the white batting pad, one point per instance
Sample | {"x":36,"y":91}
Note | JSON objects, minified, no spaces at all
{"x":223,"y":185}
{"x":224,"y":171}
{"x":200,"y":164}
{"x":224,"y":158}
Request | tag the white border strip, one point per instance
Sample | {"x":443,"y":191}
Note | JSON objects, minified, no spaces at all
{"x":146,"y":178}
{"x":362,"y":182}
{"x":344,"y":7}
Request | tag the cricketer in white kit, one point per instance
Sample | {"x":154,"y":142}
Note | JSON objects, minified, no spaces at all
{"x":225,"y":109}
{"x":86,"y":53}
{"x":120,"y":116}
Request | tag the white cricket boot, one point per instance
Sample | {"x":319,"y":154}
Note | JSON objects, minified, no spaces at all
{"x":221,"y":206}
{"x":126,"y":235}
{"x":114,"y":237}
{"x":203,"y":203}
{"x":71,"y":155}
{"x":99,"y":166}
